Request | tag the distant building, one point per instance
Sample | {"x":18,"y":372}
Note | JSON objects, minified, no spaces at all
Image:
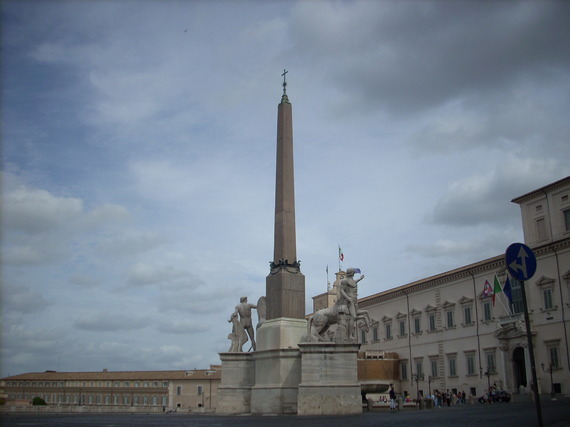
{"x":129,"y":391}
{"x":449,"y":335}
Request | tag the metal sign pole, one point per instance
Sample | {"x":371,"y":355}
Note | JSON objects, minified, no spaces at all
{"x":531,"y":354}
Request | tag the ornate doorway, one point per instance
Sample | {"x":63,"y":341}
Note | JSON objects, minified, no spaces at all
{"x":519,"y":367}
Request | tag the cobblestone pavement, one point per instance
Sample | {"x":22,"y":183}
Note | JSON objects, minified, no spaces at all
{"x":555,"y":414}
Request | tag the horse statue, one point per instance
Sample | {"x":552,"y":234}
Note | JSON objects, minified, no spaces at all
{"x":320,"y":322}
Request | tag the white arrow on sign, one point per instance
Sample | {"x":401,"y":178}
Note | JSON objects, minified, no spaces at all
{"x":523,"y":255}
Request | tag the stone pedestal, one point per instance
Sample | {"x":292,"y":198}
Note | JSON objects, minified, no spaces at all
{"x":277,"y":366}
{"x":329,"y":379}
{"x":238,"y":377}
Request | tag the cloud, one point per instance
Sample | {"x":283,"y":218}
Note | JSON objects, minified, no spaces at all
{"x":405,"y":57}
{"x":35,"y":211}
{"x":182,"y":327}
{"x":143,"y":274}
{"x":104,"y":321}
{"x":482,"y":198}
{"x":129,"y":242}
{"x":22,"y":299}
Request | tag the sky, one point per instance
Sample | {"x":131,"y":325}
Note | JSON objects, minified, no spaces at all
{"x":138,"y":158}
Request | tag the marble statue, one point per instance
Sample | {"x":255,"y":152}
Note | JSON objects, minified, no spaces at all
{"x":244,"y":311}
{"x":238,"y":336}
{"x":344,"y":313}
{"x":261,"y":312}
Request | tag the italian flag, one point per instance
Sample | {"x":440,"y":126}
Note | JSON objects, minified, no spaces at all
{"x":340,"y":254}
{"x":496,"y":288}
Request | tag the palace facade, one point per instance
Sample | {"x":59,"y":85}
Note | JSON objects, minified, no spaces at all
{"x":129,"y":391}
{"x":450,"y":335}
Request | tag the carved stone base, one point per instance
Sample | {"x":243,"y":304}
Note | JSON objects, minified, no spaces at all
{"x":329,"y":379}
{"x":238,"y":376}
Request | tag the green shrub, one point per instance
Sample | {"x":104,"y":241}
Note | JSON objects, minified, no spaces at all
{"x":38,"y":401}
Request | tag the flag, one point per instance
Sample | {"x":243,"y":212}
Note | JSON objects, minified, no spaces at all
{"x":487,"y":290}
{"x":507,"y":290}
{"x":357,"y":271}
{"x":340,"y":254}
{"x":496,"y":288}
{"x":327,"y":269}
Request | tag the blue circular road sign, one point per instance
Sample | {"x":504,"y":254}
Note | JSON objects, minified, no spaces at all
{"x":520,"y":261}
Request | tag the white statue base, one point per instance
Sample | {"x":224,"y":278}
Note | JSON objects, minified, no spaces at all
{"x":329,"y":379}
{"x":238,"y":376}
{"x":277,"y":366}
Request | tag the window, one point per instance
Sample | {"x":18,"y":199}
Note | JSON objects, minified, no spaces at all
{"x":487,"y":312}
{"x":567,"y":219}
{"x":200,"y":390}
{"x":164,"y":400}
{"x":388,"y":331}
{"x":433,"y":363}
{"x":404,"y":370}
{"x":417,"y":325}
{"x":546,"y":285}
{"x":375,"y":333}
{"x":452,"y":366}
{"x":431,"y":319}
{"x":178,"y":390}
{"x":135,"y":400}
{"x":165,"y":383}
{"x":419,"y":366}
{"x":470,"y":362}
{"x":449,"y":317}
{"x":137,"y":384}
{"x":125,"y":399}
{"x":402,"y":324}
{"x":541,"y":229}
{"x":490,"y":358}
{"x":517,"y":305}
{"x":363,"y":336}
{"x":547,"y":297}
{"x":467,"y":319}
{"x":553,"y":354}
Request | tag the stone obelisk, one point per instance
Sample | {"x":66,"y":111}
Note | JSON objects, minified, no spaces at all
{"x":285,"y":285}
{"x":277,"y":359}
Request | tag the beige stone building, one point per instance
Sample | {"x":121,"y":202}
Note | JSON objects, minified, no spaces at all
{"x":129,"y":391}
{"x":449,"y":335}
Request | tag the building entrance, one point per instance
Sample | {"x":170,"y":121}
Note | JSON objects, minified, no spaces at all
{"x":519,"y":367}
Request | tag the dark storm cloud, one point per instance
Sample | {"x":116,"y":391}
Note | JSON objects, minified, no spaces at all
{"x":408,"y":56}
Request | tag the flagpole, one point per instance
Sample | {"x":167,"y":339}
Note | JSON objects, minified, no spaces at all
{"x":498,"y":289}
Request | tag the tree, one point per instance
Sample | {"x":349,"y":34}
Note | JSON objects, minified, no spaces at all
{"x":38,"y":401}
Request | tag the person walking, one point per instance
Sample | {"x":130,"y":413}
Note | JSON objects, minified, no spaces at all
{"x":393,"y":406}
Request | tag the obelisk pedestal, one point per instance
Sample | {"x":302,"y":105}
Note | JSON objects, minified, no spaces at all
{"x":329,"y":379}
{"x":238,"y":376}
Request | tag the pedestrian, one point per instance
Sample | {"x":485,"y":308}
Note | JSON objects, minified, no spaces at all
{"x":392,"y":398}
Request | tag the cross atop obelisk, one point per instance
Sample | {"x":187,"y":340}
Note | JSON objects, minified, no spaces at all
{"x":285,"y":294}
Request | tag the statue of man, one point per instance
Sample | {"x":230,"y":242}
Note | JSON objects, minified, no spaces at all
{"x":349,"y":296}
{"x":244,"y":311}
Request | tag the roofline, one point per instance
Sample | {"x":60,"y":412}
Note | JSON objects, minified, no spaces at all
{"x":541,"y":190}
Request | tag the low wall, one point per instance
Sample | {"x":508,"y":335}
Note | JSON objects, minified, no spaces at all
{"x":77,"y":409}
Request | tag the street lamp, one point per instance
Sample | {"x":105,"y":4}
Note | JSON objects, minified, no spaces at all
{"x":430,"y":378}
{"x":417,"y":378}
{"x":550,"y":370}
{"x":488,"y":374}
